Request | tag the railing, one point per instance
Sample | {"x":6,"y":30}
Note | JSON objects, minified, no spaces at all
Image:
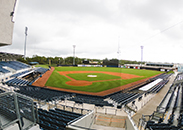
{"x":16,"y":108}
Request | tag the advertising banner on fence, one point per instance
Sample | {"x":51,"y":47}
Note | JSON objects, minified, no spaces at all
{"x":89,"y":65}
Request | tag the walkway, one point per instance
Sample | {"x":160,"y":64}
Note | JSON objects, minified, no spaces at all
{"x":151,"y":106}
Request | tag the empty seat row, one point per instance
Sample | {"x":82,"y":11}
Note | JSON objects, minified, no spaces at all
{"x":98,"y":101}
{"x":55,"y":119}
{"x":42,"y":93}
{"x":158,"y":87}
{"x":19,"y":64}
{"x":18,"y":74}
{"x":41,"y":70}
{"x":160,"y":126}
{"x":13,"y":65}
{"x":180,"y":120}
{"x":16,"y":81}
{"x":2,"y":70}
{"x":123,"y":98}
{"x":170,"y":100}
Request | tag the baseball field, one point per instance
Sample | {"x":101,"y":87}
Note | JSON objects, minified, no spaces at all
{"x":93,"y":79}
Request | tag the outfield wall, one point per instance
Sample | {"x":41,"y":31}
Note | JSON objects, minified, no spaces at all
{"x":90,"y":66}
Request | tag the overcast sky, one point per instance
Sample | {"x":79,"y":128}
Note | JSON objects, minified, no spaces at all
{"x":99,"y":27}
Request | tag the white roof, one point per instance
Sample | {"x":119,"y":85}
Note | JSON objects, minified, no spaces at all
{"x":150,"y":85}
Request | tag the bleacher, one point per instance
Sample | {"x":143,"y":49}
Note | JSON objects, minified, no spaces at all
{"x":97,"y":101}
{"x":25,"y":77}
{"x":169,"y":113}
{"x":16,"y":109}
{"x":158,"y":87}
{"x":14,"y":65}
{"x":18,"y":74}
{"x":17,"y":81}
{"x":19,"y":65}
{"x":49,"y":95}
{"x":56,"y":119}
{"x":2,"y":70}
{"x":151,"y":125}
{"x":42,"y":93}
{"x":124,"y":98}
{"x":41,"y":70}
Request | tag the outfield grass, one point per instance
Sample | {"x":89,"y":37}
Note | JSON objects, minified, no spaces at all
{"x":43,"y":66}
{"x":57,"y":80}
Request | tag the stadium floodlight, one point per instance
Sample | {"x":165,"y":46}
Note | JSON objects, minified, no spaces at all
{"x":141,"y":52}
{"x":74,"y":46}
{"x":26,"y":29}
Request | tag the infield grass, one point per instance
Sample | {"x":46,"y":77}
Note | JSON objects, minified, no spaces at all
{"x":59,"y":81}
{"x":100,"y":76}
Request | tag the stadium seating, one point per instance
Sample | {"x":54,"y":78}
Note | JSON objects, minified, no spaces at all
{"x":16,"y":109}
{"x":181,"y":106}
{"x":162,"y":76}
{"x":41,"y":70}
{"x":1,"y":91}
{"x":56,"y":119}
{"x":19,"y":64}
{"x":17,"y":81}
{"x":158,"y":87}
{"x":124,"y":98}
{"x":14,"y":65}
{"x":98,"y":101}
{"x":18,"y":74}
{"x":160,"y":126}
{"x":2,"y":70}
{"x":42,"y":93}
{"x":180,"y":120}
{"x":176,"y":100}
{"x":171,"y":107}
{"x":169,"y":102}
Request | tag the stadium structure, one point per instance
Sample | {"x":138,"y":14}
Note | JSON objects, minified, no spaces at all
{"x":154,"y":104}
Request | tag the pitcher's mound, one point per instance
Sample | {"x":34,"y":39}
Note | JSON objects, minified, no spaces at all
{"x":79,"y":83}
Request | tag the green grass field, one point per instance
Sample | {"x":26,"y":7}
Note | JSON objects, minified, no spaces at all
{"x":57,"y":80}
{"x":100,"y":76}
{"x":43,"y":66}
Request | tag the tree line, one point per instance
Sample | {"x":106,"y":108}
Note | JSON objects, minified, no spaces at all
{"x":68,"y":60}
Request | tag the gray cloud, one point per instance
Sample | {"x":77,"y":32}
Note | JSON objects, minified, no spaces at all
{"x":94,"y":26}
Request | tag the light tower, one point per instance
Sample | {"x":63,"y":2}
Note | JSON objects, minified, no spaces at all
{"x":26,"y":29}
{"x":118,"y":52}
{"x":74,"y":46}
{"x":142,"y":47}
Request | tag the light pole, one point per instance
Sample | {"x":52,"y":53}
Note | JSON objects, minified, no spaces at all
{"x":26,"y":29}
{"x":141,"y":52}
{"x":74,"y":46}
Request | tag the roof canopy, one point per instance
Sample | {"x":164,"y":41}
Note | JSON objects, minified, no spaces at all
{"x":9,"y":56}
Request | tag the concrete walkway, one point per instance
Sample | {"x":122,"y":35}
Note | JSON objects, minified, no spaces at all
{"x":109,"y":122}
{"x":151,"y":106}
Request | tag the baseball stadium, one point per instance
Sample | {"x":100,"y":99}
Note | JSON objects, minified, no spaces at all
{"x":86,"y":96}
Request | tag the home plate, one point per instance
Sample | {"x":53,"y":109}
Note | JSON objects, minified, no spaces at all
{"x":91,"y":75}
